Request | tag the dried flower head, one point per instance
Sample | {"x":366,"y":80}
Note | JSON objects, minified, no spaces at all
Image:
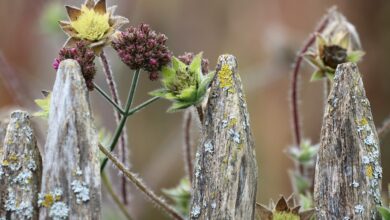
{"x":142,"y":48}
{"x":93,"y":23}
{"x":84,"y":56}
{"x":183,"y":84}
{"x":187,"y":58}
{"x":283,"y":210}
{"x":338,"y":43}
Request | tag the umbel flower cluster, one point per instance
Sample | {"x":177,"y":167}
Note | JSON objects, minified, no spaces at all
{"x":142,"y":48}
{"x":84,"y":56}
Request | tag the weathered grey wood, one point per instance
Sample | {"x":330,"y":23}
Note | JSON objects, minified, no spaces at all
{"x":3,"y":130}
{"x":20,"y":170}
{"x":71,"y":176}
{"x":348,"y":171}
{"x":225,"y":176}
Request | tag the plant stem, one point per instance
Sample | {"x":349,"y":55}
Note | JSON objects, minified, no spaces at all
{"x":294,"y":80}
{"x":142,"y":106}
{"x":108,"y":185}
{"x":187,"y":144}
{"x":122,"y":122}
{"x":114,"y":93}
{"x":118,"y":108}
{"x":382,"y":131}
{"x":141,"y":186}
{"x":199,"y":109}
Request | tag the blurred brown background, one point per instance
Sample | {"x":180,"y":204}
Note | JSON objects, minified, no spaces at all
{"x":263,"y":34}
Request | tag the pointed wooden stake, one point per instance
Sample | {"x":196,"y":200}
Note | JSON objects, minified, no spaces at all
{"x":20,"y":170}
{"x":71,"y":175}
{"x":348,"y":171}
{"x":225,"y":176}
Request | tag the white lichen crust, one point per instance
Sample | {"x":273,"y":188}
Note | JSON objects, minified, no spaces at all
{"x":71,"y":151}
{"x":20,"y":170}
{"x":225,"y":175}
{"x":348,"y":171}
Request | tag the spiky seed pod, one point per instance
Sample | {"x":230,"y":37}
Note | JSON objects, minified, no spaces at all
{"x":92,"y":23}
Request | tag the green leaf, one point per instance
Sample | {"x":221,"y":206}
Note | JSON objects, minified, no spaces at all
{"x":168,"y":75}
{"x":355,"y":56}
{"x":181,"y":196}
{"x":330,"y":76}
{"x":317,"y":75}
{"x":300,"y":183}
{"x":188,"y":94}
{"x":178,"y":65}
{"x":44,"y":104}
{"x":320,"y":42}
{"x":176,"y":106}
{"x":204,"y":84}
{"x":163,"y":93}
{"x":196,"y":66}
{"x":385,"y":212}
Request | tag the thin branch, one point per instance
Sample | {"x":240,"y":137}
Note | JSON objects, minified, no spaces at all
{"x":107,"y":184}
{"x":142,"y":106}
{"x":115,"y":96}
{"x":294,"y":80}
{"x":382,"y":131}
{"x":141,"y":186}
{"x":118,"y":108}
{"x":199,"y":109}
{"x":122,"y":122}
{"x":187,"y":149}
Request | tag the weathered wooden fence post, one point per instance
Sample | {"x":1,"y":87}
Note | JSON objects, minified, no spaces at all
{"x":20,"y":169}
{"x":348,"y":171}
{"x":71,"y":176}
{"x":225,"y":181}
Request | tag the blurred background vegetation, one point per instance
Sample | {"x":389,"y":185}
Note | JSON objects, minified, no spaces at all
{"x":263,"y":34}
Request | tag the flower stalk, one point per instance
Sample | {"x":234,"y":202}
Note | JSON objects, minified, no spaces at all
{"x":141,"y":186}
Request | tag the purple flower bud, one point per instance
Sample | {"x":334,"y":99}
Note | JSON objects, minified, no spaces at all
{"x":84,"y":56}
{"x":142,"y":48}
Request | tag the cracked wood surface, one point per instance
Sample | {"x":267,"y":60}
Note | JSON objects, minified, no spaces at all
{"x":348,"y":171}
{"x":225,"y":173}
{"x":71,"y":185}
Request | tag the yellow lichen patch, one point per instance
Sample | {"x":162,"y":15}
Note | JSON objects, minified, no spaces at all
{"x":13,"y":157}
{"x":91,"y":25}
{"x":225,"y":76}
{"x":5,"y":163}
{"x":232,"y":122}
{"x":363,"y":122}
{"x":369,"y":171}
{"x":48,"y":200}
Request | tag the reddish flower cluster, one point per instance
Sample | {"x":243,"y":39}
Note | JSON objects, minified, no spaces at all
{"x":187,"y":58}
{"x":84,"y":56}
{"x":142,"y":48}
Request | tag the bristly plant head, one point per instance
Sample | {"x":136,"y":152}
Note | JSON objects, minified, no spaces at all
{"x":184,"y":85}
{"x":284,"y":209}
{"x":84,"y":56}
{"x":331,"y":51}
{"x":142,"y":48}
{"x":338,"y":43}
{"x":93,"y":23}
